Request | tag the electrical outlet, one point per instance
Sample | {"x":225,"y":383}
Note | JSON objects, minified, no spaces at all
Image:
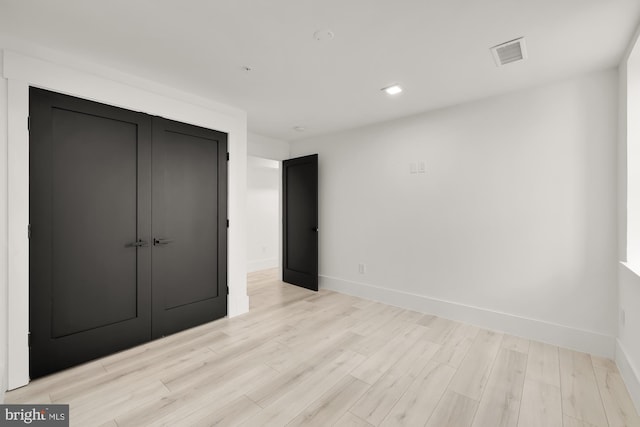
{"x":362,"y":268}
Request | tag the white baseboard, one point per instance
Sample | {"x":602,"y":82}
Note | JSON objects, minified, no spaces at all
{"x":261,"y":264}
{"x":630,"y":374}
{"x":552,"y":333}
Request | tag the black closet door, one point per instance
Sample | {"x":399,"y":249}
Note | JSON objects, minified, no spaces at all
{"x":89,"y":210}
{"x":189,"y":226}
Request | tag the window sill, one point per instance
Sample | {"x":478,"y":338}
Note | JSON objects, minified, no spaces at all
{"x":632,"y":267}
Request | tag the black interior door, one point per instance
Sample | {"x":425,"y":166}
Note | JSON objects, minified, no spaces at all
{"x":189,"y":226}
{"x":89,"y":210}
{"x":128,"y":220}
{"x":300,"y":218}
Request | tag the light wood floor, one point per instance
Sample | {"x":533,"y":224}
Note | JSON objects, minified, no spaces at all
{"x":305,"y":358}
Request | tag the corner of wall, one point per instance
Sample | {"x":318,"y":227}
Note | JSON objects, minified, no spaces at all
{"x":267,"y":147}
{"x":3,"y":229}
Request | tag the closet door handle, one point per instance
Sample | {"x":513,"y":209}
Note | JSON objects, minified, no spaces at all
{"x":137,"y":244}
{"x":161,"y":242}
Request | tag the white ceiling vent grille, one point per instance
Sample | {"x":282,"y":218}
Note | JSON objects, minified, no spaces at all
{"x":511,"y":51}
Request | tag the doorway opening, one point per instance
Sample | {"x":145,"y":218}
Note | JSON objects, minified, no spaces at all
{"x":264,"y":227}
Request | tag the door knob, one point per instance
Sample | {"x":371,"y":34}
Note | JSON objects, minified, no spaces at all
{"x":161,"y":242}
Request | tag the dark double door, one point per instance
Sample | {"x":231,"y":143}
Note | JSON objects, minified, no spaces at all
{"x":128,"y":237}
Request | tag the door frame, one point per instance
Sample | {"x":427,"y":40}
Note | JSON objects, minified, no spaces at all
{"x":109,"y":87}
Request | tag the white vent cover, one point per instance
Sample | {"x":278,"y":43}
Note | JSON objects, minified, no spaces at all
{"x":511,"y":51}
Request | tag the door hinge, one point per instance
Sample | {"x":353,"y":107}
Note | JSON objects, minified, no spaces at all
{"x":29,"y":339}
{"x":29,"y":231}
{"x":227,"y":289}
{"x":227,"y":157}
{"x":28,"y":123}
{"x":227,"y":223}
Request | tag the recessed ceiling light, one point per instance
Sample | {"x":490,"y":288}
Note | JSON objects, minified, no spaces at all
{"x":299,"y":128}
{"x":392,"y":90}
{"x":322,"y":35}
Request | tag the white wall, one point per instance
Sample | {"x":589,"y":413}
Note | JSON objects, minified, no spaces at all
{"x":71,"y":76}
{"x":512,"y":227}
{"x":263,"y":211}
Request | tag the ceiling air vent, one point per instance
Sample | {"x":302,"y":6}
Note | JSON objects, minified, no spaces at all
{"x":512,"y":51}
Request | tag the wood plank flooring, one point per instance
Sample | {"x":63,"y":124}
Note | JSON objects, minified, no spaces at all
{"x":321,"y":359}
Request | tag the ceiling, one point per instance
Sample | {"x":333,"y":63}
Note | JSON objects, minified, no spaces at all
{"x":438,"y":50}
